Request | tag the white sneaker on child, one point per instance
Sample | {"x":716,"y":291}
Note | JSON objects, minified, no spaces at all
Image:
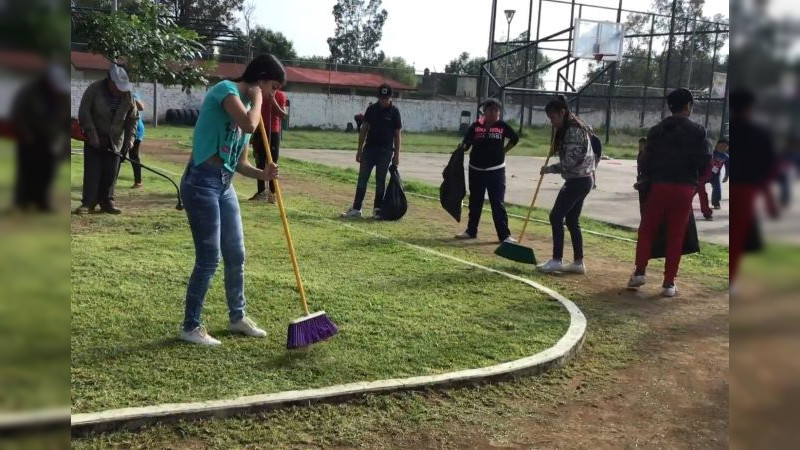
{"x":669,"y":290}
{"x":246,"y":327}
{"x":575,"y":267}
{"x":636,"y":281}
{"x":351,"y":214}
{"x":199,"y":336}
{"x":465,"y":235}
{"x":554,"y":265}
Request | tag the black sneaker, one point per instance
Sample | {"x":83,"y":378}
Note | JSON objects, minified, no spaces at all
{"x":111,"y":209}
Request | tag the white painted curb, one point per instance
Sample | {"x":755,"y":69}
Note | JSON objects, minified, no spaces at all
{"x":555,"y":356}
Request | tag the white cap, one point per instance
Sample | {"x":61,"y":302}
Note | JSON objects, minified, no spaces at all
{"x":120,"y":78}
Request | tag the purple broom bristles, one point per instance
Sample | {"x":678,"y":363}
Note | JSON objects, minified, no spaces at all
{"x":310,"y":330}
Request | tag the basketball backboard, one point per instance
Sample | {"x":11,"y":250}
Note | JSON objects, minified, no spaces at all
{"x":598,"y":40}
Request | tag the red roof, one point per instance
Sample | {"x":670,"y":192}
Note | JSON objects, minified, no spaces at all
{"x":299,"y":75}
{"x":89,"y":61}
{"x":22,"y":61}
{"x":346,"y":79}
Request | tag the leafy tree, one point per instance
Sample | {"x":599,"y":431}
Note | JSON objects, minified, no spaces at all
{"x":464,"y":65}
{"x":161,"y":50}
{"x":398,"y":69}
{"x":267,"y":41}
{"x":211,"y":19}
{"x":34,"y":25}
{"x":359,"y":29}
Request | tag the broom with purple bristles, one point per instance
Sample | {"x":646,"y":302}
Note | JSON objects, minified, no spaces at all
{"x":310,"y":328}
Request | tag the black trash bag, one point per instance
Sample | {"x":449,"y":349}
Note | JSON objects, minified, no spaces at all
{"x":394,"y":205}
{"x":453,"y":188}
{"x":690,"y":242}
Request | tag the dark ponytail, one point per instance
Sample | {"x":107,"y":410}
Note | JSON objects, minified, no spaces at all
{"x":263,"y":67}
{"x":560,"y":104}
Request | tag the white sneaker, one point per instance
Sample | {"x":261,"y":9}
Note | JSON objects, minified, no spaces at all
{"x":352,"y":214}
{"x":669,"y":290}
{"x":246,"y":327}
{"x":553,"y":265}
{"x":376,"y":213}
{"x":575,"y":267}
{"x":465,"y":235}
{"x":636,"y":281}
{"x":510,"y":240}
{"x":199,"y":336}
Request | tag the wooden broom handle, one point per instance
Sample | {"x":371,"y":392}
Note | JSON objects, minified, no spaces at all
{"x":286,"y":232}
{"x":536,"y":192}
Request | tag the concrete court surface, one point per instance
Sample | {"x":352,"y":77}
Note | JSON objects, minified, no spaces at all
{"x":614,"y":201}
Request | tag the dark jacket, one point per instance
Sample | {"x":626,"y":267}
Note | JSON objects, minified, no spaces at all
{"x":117,"y":130}
{"x":677,"y":149}
{"x":756,"y":157}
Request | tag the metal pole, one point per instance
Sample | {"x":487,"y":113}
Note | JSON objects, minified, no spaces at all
{"x":505,"y":75}
{"x":647,"y":73}
{"x":116,"y":6}
{"x":571,"y":34}
{"x":681,"y":60}
{"x":155,"y":104}
{"x":669,"y":57}
{"x":491,"y":40}
{"x":691,"y":55}
{"x":726,"y":112}
{"x":611,"y":82}
{"x":711,"y":78}
{"x":527,"y":69}
{"x":574,"y":72}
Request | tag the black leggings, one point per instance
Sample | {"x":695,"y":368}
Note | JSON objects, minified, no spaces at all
{"x":261,"y":156}
{"x":567,"y":208}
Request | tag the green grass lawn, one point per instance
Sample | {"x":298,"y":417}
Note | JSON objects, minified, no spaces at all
{"x":129,"y":274}
{"x":401,"y":312}
{"x":535,"y":141}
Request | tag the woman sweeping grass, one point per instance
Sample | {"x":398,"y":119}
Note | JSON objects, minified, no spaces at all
{"x":230,"y":112}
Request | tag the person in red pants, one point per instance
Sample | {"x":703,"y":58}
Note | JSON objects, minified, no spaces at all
{"x":756,"y":168}
{"x":677,"y":150}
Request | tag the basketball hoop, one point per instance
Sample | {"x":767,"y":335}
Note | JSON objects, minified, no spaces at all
{"x":601,"y":56}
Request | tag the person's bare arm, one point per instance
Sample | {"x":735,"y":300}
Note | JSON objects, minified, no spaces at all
{"x":246,"y":120}
{"x":277,"y":108}
{"x":244,"y":167}
{"x":397,"y":144}
{"x":361,"y":138}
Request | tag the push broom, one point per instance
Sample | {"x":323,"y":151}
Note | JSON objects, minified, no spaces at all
{"x":516,"y":251}
{"x":311,"y":328}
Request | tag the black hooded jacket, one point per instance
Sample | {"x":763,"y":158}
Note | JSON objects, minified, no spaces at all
{"x":676,"y":151}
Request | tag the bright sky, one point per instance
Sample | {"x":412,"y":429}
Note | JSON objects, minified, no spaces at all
{"x":429,"y":33}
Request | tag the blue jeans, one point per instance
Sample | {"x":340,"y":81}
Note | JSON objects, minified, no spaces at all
{"x":716,"y":189}
{"x":213,"y":211}
{"x":379,"y":159}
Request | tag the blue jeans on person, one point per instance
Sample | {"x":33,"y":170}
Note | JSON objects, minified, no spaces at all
{"x":213,"y":212}
{"x":493,"y":182}
{"x":373,"y":158}
{"x":716,"y":189}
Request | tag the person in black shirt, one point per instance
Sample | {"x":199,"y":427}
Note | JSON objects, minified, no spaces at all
{"x":487,"y":169}
{"x":381,"y":130}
